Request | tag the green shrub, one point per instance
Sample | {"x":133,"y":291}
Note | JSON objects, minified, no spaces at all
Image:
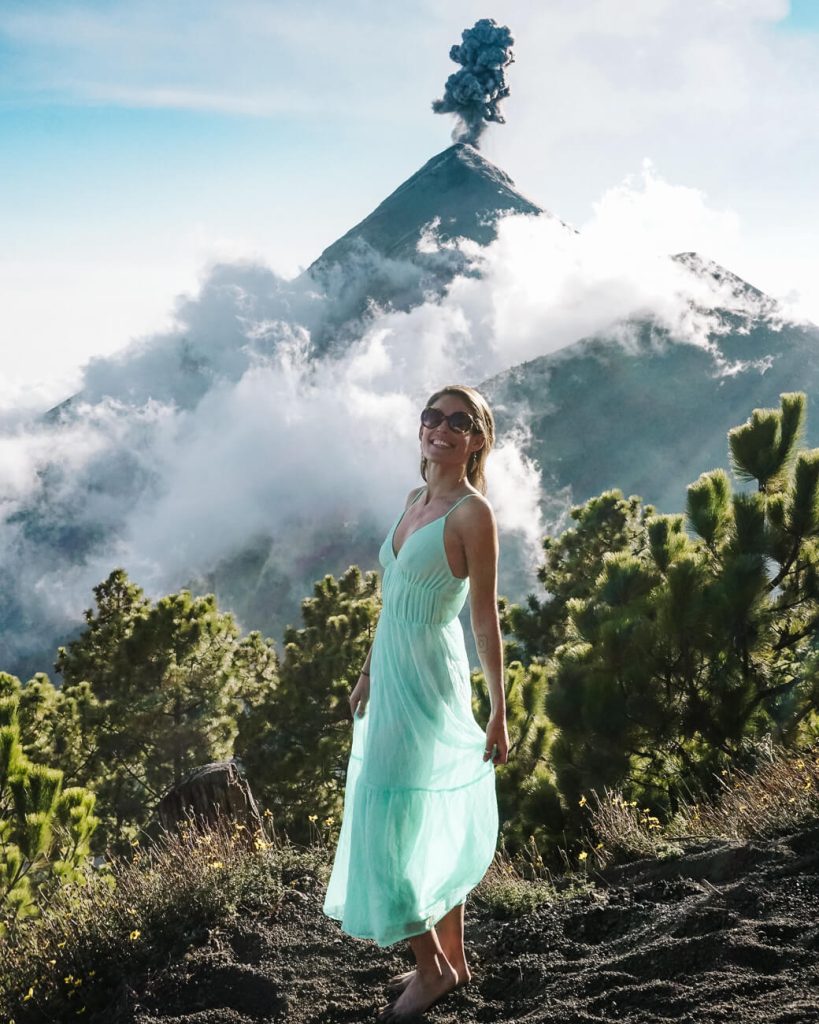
{"x":139,"y":913}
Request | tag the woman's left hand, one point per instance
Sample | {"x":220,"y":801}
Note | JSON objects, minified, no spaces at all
{"x":497,"y":740}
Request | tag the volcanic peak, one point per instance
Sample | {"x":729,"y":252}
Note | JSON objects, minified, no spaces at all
{"x":458,"y":190}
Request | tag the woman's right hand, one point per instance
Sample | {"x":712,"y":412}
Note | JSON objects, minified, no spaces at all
{"x":360,"y":696}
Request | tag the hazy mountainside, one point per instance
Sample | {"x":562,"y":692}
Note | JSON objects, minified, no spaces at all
{"x":648,"y":415}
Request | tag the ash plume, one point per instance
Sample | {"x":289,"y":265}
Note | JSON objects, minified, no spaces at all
{"x":475,"y":92}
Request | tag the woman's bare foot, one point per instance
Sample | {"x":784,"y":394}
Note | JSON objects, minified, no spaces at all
{"x":398,"y":983}
{"x":421,"y":991}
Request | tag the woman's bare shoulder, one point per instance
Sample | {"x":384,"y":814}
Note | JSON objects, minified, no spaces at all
{"x":413,"y":494}
{"x":476,"y":512}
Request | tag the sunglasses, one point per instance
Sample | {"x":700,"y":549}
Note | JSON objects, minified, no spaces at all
{"x":460,"y":422}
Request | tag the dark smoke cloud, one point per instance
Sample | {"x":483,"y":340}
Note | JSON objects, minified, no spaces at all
{"x":475,"y":92}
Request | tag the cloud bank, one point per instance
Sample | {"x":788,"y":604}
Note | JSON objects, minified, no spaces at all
{"x":225,"y":436}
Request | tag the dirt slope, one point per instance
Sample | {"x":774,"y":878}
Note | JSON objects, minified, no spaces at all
{"x":725,"y":933}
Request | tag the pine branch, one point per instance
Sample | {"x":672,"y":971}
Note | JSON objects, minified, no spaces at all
{"x":786,"y":566}
{"x":788,"y":639}
{"x":773,"y":691}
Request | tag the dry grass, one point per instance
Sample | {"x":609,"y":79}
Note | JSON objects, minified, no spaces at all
{"x":782,"y":793}
{"x":94,"y":941}
{"x":622,"y":830}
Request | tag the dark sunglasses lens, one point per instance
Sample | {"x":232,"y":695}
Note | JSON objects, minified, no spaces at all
{"x":460,"y":421}
{"x":432,"y":417}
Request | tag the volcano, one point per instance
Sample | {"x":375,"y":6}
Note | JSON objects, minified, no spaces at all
{"x":404,"y":251}
{"x":647,"y":418}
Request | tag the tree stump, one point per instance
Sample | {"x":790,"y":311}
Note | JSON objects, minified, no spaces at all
{"x":212,"y":795}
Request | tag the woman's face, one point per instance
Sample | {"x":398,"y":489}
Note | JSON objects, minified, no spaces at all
{"x":444,"y":445}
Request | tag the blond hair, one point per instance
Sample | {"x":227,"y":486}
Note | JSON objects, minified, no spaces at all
{"x":485,"y":423}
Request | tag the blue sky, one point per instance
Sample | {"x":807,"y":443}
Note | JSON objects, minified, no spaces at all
{"x":803,"y":16}
{"x":143,"y":140}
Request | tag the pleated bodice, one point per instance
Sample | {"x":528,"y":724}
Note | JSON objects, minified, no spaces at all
{"x":418,"y":585}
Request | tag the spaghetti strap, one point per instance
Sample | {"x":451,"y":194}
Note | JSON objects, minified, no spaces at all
{"x":459,"y":501}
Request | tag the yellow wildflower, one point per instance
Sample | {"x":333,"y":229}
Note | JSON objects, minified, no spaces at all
{"x":329,"y":821}
{"x":216,"y":864}
{"x":312,"y":817}
{"x":582,"y":801}
{"x":582,"y":855}
{"x":135,"y":934}
{"x":29,"y":994}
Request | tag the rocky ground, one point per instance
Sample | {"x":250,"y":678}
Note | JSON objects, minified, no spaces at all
{"x":728,"y":932}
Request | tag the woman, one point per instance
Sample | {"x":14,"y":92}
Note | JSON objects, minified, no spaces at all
{"x":420,"y":813}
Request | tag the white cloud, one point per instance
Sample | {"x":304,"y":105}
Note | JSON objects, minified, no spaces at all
{"x":710,"y":90}
{"x":194,"y":442}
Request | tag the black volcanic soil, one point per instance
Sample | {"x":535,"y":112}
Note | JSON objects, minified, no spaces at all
{"x":728,"y":932}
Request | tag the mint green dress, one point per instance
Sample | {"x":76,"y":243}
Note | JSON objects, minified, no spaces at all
{"x":420,"y":822}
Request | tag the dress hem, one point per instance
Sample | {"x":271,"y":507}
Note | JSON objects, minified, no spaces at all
{"x":449,"y":903}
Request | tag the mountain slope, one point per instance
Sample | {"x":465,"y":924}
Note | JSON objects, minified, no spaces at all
{"x":650,"y":417}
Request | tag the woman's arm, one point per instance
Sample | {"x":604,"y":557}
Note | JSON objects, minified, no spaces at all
{"x":481,"y":549}
{"x":361,"y":691}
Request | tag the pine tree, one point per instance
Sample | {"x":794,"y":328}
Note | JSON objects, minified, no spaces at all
{"x":45,"y":829}
{"x":156,"y":690}
{"x":296,"y":744}
{"x":678,"y":650}
{"x":528,"y":801}
{"x":572,"y":562}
